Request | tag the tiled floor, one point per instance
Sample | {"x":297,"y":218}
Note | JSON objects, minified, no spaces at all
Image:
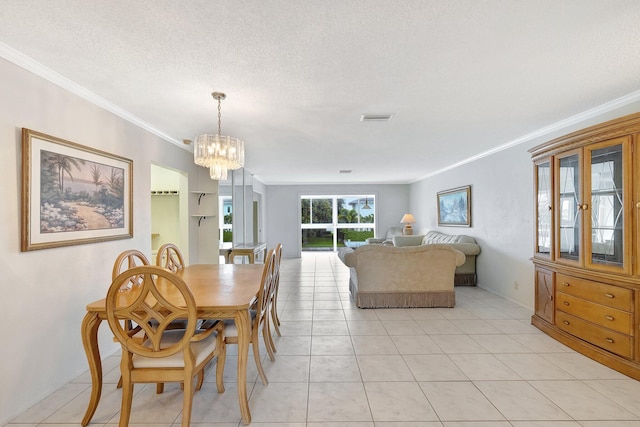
{"x":478,"y":364}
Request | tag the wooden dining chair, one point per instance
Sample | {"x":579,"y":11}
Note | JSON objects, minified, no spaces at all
{"x":165,"y":355}
{"x":170,"y":257}
{"x":127,"y":260}
{"x":259,"y":317}
{"x":272,"y":309}
{"x":274,"y":291}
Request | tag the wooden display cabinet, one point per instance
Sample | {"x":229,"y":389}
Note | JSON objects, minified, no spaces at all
{"x":587,"y":204}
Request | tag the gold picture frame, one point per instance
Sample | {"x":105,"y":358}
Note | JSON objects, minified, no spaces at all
{"x":73,"y":194}
{"x":454,"y":207}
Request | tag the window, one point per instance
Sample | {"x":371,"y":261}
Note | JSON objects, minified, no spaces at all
{"x":226,"y":213}
{"x":330,"y":222}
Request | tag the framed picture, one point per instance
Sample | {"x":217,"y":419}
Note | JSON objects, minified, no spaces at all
{"x":72,"y":194}
{"x":454,"y":207}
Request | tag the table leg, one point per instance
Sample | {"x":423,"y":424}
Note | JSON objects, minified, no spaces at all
{"x":90,"y":325}
{"x":243,"y":324}
{"x":252,"y":258}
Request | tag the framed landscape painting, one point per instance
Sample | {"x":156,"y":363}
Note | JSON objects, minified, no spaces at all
{"x":454,"y":207}
{"x":72,"y":194}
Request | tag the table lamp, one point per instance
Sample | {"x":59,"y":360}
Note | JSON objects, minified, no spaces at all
{"x":407,"y":220}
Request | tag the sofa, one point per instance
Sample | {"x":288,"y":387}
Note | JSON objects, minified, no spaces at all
{"x":466,"y":273}
{"x":387,"y":276}
{"x":388,"y":239}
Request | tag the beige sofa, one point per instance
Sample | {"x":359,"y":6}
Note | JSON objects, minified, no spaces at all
{"x":388,"y":240}
{"x":466,"y":273}
{"x":388,"y":276}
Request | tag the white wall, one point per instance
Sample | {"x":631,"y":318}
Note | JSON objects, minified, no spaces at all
{"x":283,"y":210}
{"x":502,"y":209}
{"x":501,"y":218}
{"x":44,"y":292}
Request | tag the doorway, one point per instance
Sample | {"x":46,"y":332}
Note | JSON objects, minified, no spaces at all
{"x":169,"y":209}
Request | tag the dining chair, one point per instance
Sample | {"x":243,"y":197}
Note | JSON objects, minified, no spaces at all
{"x":170,"y":257}
{"x":274,"y":291}
{"x":125,"y":261}
{"x":272,"y":310}
{"x":165,"y":355}
{"x":259,"y":317}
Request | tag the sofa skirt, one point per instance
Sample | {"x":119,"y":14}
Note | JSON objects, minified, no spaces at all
{"x":464,"y":279}
{"x":405,"y":299}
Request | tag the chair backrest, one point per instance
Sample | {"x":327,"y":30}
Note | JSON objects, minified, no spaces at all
{"x":161,"y":298}
{"x":267,"y":284}
{"x":277,"y":252}
{"x":170,"y":257}
{"x":127,"y":260}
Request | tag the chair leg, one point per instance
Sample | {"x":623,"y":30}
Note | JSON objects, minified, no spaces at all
{"x":256,"y":356}
{"x":200,"y":379}
{"x":274,"y":317}
{"x":222,"y":358}
{"x":159,"y":388}
{"x":268,"y":339}
{"x":187,"y":401}
{"x":275,"y":306}
{"x":127,"y":399}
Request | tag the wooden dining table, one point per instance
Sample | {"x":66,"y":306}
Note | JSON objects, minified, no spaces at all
{"x":221,"y":291}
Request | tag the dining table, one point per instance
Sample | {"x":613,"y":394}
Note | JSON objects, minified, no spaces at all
{"x":221,"y":291}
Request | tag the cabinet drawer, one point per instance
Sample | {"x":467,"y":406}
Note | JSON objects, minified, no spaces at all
{"x":607,"y":339}
{"x":602,"y":315}
{"x":601,"y":293}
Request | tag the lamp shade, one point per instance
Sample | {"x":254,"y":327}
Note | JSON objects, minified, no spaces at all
{"x":407,"y":219}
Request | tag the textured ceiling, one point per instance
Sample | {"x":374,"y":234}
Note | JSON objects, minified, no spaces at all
{"x":461,"y":77}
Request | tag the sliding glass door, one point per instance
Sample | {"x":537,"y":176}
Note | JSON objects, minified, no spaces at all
{"x":330,"y":222}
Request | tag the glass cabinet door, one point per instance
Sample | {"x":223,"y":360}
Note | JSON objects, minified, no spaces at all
{"x":543,"y":206}
{"x":606,"y":245}
{"x":568,"y":208}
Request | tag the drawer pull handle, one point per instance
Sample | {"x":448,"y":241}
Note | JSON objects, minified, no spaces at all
{"x":608,"y":295}
{"x":609,"y":317}
{"x":609,"y":340}
{"x":566,"y":302}
{"x":565,"y":284}
{"x":566,"y":322}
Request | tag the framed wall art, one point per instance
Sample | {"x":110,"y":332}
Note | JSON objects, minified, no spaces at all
{"x":73,"y":194}
{"x":454,"y":207}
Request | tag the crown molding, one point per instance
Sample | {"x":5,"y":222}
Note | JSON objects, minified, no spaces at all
{"x":29,"y":64}
{"x":554,"y":127}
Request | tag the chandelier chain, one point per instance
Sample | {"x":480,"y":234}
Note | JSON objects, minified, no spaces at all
{"x":219,"y":116}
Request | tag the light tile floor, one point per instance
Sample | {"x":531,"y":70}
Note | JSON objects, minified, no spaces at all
{"x":479,"y":364}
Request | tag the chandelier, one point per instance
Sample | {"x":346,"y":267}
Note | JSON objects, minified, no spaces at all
{"x":219,"y":153}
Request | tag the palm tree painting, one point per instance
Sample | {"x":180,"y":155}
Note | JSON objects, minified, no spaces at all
{"x":78,"y":194}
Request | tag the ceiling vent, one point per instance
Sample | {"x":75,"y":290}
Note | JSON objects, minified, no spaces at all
{"x":376,"y":117}
{"x":345,"y":171}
